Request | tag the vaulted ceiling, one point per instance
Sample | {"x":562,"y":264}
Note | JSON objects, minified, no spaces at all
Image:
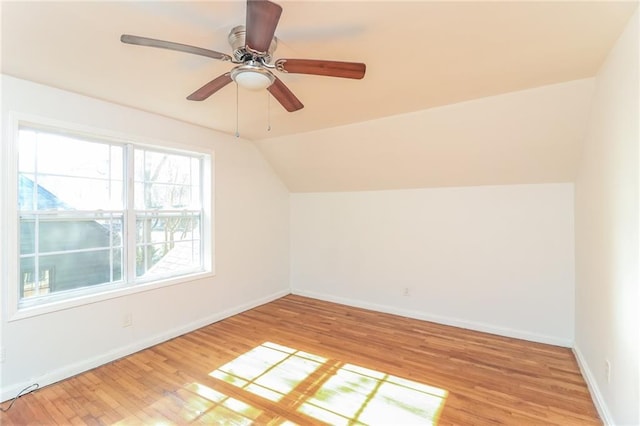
{"x":419,"y":56}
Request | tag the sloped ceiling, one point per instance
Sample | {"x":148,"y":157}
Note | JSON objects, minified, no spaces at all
{"x":419,"y":55}
{"x":531,"y":136}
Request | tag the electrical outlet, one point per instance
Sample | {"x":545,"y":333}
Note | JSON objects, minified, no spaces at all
{"x":127,"y":320}
{"x":607,"y":370}
{"x":405,"y":292}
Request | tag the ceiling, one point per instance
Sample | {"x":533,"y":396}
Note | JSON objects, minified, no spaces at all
{"x":419,"y":55}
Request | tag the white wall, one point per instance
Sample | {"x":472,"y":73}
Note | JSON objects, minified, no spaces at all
{"x":251,"y":242}
{"x":607,"y":215}
{"x":494,"y":258}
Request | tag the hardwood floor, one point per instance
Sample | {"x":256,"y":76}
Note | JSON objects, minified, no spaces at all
{"x":304,"y":361}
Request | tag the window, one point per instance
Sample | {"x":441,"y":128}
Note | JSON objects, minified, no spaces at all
{"x":97,"y":215}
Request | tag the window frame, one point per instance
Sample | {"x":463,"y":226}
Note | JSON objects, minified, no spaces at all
{"x":86,"y":295}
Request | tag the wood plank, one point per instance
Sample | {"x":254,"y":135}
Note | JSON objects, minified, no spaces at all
{"x":483,"y":378}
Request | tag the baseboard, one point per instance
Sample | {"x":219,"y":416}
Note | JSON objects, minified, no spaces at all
{"x":80,"y":367}
{"x":596,"y":395}
{"x":455,"y":322}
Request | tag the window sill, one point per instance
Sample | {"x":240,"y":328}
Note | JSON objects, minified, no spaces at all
{"x":61,"y":305}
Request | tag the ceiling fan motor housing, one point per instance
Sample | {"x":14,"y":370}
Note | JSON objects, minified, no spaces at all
{"x":237,"y":37}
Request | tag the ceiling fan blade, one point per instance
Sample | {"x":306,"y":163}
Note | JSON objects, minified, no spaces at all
{"x":285,"y":96}
{"x":151,"y":42}
{"x":318,"y":67}
{"x":262,"y":20}
{"x":210,"y":88}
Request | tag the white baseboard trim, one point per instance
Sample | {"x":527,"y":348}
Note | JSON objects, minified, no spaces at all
{"x":596,"y":395}
{"x":71,"y":370}
{"x":455,"y":322}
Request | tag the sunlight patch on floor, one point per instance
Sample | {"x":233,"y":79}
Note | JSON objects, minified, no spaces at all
{"x":326,"y":390}
{"x":362,"y":396}
{"x":270,"y":370}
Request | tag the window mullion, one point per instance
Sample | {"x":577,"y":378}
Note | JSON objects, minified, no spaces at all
{"x":111,"y":242}
{"x":36,"y":224}
{"x":130,"y":215}
{"x":36,"y":250}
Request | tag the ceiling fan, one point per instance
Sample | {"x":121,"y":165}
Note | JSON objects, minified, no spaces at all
{"x":253,"y":46}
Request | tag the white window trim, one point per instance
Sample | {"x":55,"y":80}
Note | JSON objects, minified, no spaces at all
{"x":10,"y":214}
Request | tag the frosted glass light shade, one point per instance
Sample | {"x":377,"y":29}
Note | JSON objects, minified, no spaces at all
{"x":253,"y":80}
{"x":252,"y":77}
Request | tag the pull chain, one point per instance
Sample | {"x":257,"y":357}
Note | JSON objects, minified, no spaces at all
{"x":237,"y":114}
{"x":268,"y":112}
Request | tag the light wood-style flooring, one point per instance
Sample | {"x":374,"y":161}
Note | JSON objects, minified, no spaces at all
{"x":302,"y":361}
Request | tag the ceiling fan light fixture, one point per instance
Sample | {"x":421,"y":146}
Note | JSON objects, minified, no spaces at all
{"x":252,"y":77}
